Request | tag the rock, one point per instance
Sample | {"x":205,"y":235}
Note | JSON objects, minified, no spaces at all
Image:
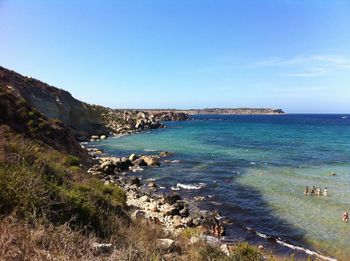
{"x":164,"y":154}
{"x":151,"y":160}
{"x":145,"y":198}
{"x":172,"y":198}
{"x":95,"y":137}
{"x":135,"y":181}
{"x":199,"y":198}
{"x":169,"y":210}
{"x":152,"y":185}
{"x":224,"y":248}
{"x":102,"y":248}
{"x":123,"y":165}
{"x":184,"y":212}
{"x":103,"y":137}
{"x":177,"y":222}
{"x":140,"y":162}
{"x":138,"y":214}
{"x":132,"y":157}
{"x":166,"y":244}
{"x":261,"y":247}
{"x":107,"y":167}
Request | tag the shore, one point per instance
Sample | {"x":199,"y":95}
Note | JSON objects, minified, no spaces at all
{"x":155,"y":204}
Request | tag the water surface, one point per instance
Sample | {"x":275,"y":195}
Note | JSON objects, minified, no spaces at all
{"x":257,"y":168}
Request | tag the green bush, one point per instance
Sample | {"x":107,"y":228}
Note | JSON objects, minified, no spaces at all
{"x":71,"y":161}
{"x":34,"y":184}
{"x":245,"y":252}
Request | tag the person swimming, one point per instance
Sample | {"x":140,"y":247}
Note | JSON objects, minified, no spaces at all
{"x":325,"y":192}
{"x":318,"y":191}
{"x":332,"y":174}
{"x":313,"y":190}
{"x":306,"y":191}
{"x":345,"y":216}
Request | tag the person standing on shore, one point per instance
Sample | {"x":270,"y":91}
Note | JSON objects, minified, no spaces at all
{"x":345,"y":216}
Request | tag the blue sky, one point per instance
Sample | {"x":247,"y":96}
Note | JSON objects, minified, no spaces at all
{"x":293,"y":55}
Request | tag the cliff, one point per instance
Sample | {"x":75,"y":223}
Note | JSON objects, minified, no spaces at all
{"x":54,"y":103}
{"x":18,"y":117}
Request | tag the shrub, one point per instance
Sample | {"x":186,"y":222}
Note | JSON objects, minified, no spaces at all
{"x":34,"y":183}
{"x":245,"y":252}
{"x":71,"y":161}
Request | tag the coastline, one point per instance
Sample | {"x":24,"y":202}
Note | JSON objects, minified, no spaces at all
{"x":146,"y":198}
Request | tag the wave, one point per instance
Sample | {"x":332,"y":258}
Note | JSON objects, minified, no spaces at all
{"x":150,"y":150}
{"x":280,"y":241}
{"x":191,"y":186}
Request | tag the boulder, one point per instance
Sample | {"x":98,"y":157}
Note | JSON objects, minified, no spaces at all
{"x":102,"y":248}
{"x":172,"y":198}
{"x":169,"y":210}
{"x":103,"y":137}
{"x":95,"y":137}
{"x":224,"y":248}
{"x":151,"y":160}
{"x":152,"y":185}
{"x":135,"y":181}
{"x":132,"y":157}
{"x":140,"y":162}
{"x":166,"y":244}
{"x":164,"y":154}
{"x":199,"y":198}
{"x":138,"y":214}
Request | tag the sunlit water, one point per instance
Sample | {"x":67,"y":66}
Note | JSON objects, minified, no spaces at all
{"x":258,"y":167}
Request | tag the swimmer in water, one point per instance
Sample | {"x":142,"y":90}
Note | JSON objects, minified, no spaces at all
{"x":332,"y":174}
{"x":325,"y":192}
{"x":345,"y":216}
{"x":319,"y":192}
{"x":313,"y":190}
{"x":306,"y":191}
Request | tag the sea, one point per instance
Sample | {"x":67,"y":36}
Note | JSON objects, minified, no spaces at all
{"x":253,"y":169}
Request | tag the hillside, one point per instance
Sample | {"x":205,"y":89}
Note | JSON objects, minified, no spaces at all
{"x":54,"y":103}
{"x":53,"y":207}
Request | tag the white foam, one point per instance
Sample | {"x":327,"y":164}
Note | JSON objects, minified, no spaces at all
{"x":150,"y":150}
{"x":175,"y":188}
{"x":305,"y":250}
{"x":137,"y":169}
{"x":191,"y":186}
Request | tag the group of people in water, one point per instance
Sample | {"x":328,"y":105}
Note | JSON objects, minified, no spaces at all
{"x":318,"y":192}
{"x":315,"y":191}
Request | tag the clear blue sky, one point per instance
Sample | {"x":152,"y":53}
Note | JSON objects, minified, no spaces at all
{"x":290,"y":54}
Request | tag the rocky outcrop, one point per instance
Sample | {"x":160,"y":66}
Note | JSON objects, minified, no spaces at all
{"x":21,"y":118}
{"x":54,"y":103}
{"x":127,"y":121}
{"x":171,"y":116}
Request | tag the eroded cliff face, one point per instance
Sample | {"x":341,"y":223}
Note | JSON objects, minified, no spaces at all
{"x":54,"y":103}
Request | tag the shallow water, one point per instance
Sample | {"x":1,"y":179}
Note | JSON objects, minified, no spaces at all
{"x":257,"y":168}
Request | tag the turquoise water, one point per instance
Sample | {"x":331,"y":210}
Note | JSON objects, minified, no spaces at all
{"x":257,"y":167}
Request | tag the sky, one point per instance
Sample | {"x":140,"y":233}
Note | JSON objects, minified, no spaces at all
{"x":288,"y":54}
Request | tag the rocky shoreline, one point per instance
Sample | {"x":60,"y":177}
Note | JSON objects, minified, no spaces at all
{"x":153,"y":204}
{"x":147,"y":200}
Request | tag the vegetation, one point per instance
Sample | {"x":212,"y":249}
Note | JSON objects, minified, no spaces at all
{"x":51,"y":209}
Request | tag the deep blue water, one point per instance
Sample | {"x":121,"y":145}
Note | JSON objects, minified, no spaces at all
{"x":255,"y":168}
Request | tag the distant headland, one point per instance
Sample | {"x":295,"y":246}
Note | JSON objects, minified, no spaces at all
{"x":223,"y":111}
